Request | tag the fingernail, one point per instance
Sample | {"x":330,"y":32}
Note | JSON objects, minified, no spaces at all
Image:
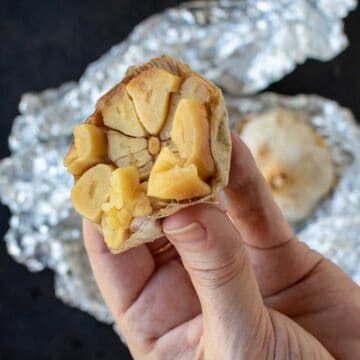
{"x":193,"y":231}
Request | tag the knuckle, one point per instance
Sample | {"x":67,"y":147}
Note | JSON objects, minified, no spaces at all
{"x":220,"y":272}
{"x":253,"y":213}
{"x":243,"y":181}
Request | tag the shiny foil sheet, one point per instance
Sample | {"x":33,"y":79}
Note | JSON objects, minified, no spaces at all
{"x":243,"y":46}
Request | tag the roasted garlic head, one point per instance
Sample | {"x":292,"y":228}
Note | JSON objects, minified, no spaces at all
{"x":157,"y":142}
{"x":293,"y":158}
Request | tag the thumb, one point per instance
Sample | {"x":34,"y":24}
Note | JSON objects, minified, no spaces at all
{"x":214,"y":256}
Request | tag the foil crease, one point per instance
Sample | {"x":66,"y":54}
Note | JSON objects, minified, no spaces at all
{"x":243,"y":46}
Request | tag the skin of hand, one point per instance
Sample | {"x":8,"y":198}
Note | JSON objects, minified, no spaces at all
{"x":236,"y":285}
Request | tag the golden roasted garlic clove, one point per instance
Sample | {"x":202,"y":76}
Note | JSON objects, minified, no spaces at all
{"x":192,"y":88}
{"x":165,"y":161}
{"x":179,"y":183}
{"x":88,"y":149}
{"x":190,"y":133}
{"x":196,"y":88}
{"x":150,"y":92}
{"x":91,"y":191}
{"x":119,"y":114}
{"x":170,"y":178}
{"x":173,"y":104}
{"x":123,"y":185}
{"x":117,"y":218}
{"x":114,"y":236}
{"x":127,"y":199}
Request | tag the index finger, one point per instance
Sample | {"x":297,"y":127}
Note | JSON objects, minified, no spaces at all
{"x":250,"y":203}
{"x":120,"y":278}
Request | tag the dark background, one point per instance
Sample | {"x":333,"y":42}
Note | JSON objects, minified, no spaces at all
{"x":44,"y":43}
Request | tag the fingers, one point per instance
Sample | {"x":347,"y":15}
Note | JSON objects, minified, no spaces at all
{"x":185,"y":339}
{"x":120,"y":278}
{"x":212,"y":252}
{"x":168,"y":301}
{"x":250,"y":203}
{"x":162,"y":251}
{"x":145,"y":301}
{"x":278,"y":258}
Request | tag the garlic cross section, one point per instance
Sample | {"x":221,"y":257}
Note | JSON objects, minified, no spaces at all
{"x":149,"y":149}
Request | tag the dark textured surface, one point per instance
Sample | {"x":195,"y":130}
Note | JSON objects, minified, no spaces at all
{"x":42,"y":44}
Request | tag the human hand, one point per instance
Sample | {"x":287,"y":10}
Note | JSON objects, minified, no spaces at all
{"x":240,"y":289}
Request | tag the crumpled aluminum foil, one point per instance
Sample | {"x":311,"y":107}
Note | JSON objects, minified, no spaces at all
{"x":241,"y":45}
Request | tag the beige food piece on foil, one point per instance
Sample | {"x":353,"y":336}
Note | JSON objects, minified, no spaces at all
{"x":166,"y":145}
{"x":91,"y":191}
{"x":293,"y":158}
{"x":88,"y":149}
